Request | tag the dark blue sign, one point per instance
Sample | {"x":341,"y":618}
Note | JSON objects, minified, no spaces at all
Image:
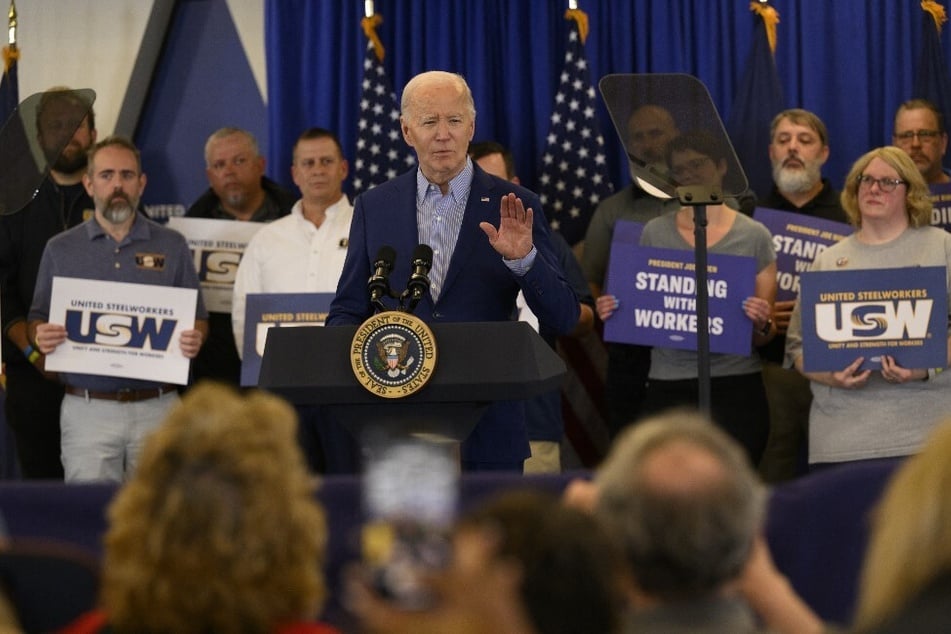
{"x":797,"y":240}
{"x":941,"y":205}
{"x":268,"y":310}
{"x":901,"y":313}
{"x":657,"y":291}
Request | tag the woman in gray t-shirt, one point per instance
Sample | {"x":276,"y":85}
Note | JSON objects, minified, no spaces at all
{"x":867,"y":414}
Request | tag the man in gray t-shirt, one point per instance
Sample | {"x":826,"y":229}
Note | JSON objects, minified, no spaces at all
{"x":104,"y":419}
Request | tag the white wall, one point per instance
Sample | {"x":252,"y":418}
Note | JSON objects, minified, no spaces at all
{"x":94,"y":44}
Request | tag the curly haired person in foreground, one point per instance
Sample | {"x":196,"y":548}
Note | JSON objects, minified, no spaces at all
{"x":218,"y":529}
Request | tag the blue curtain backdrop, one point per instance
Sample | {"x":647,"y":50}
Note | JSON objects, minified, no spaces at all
{"x":850,"y":61}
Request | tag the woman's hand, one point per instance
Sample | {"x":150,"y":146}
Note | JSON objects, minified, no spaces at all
{"x":848,"y":379}
{"x":606,"y":305}
{"x":894,"y":373}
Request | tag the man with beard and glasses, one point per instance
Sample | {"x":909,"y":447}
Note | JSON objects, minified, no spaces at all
{"x":32,"y":398}
{"x":239,"y":191}
{"x":104,"y":420}
{"x":798,"y":148}
{"x":919,"y":131}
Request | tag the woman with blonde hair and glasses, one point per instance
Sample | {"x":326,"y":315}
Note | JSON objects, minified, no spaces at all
{"x":883,"y":414}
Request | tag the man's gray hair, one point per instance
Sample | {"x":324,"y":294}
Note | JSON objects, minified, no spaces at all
{"x":223,"y":133}
{"x":686,"y":540}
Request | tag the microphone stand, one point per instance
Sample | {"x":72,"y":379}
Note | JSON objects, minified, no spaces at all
{"x":698,"y":197}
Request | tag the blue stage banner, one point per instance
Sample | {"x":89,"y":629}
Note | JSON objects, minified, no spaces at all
{"x":941,"y":205}
{"x":902,"y":313}
{"x":657,"y":291}
{"x":797,"y":240}
{"x":267,"y":310}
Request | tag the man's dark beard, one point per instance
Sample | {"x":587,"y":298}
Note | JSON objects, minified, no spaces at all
{"x":65,"y":164}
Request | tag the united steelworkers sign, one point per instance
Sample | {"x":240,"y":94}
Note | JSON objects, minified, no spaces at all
{"x":264,"y":311}
{"x":393,"y":354}
{"x":121,"y":329}
{"x":902,"y":313}
{"x":217,"y":247}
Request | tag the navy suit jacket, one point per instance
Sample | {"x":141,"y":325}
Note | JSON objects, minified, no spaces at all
{"x":478,"y":285}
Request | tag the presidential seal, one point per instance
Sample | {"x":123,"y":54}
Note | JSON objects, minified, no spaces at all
{"x":393,"y":354}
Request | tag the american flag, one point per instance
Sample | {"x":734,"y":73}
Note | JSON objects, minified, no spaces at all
{"x":381,"y":152}
{"x":572,"y":181}
{"x":758,"y":99}
{"x":573,"y":176}
{"x":932,"y":81}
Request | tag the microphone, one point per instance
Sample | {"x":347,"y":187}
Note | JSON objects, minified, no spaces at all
{"x":418,"y":282}
{"x":379,"y":283}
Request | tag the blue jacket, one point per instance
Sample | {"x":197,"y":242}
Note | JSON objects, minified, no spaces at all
{"x":478,"y":285}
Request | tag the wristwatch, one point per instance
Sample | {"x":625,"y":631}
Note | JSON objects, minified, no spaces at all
{"x":767,"y":328}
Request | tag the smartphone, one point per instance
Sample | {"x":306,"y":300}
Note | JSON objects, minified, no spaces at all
{"x":410,"y":498}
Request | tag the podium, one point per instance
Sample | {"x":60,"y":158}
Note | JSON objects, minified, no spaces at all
{"x":478,"y":363}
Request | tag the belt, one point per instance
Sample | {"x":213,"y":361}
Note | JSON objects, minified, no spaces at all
{"x":125,"y":395}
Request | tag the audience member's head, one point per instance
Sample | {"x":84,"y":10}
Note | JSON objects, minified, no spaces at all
{"x":319,"y":168}
{"x":919,"y":131}
{"x":798,"y":148}
{"x":917,"y":200}
{"x":494,"y":158}
{"x":234,"y":167}
{"x":218,"y":530}
{"x":682,"y":500}
{"x":522,"y":564}
{"x":909,"y":545}
{"x":568,"y":566}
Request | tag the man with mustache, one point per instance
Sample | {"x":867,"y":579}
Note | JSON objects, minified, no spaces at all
{"x":32,"y":398}
{"x":302,"y":252}
{"x":919,"y":131}
{"x":104,"y":420}
{"x":798,"y":148}
{"x":238,"y":190}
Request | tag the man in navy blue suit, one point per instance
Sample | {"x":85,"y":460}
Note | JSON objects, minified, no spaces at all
{"x":489,"y":238}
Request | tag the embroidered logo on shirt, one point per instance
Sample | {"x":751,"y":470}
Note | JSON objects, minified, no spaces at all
{"x":154,"y":261}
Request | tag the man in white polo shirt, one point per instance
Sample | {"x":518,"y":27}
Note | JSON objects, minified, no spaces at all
{"x":302,"y":252}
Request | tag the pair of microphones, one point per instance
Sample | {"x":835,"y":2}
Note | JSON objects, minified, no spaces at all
{"x":379,"y":283}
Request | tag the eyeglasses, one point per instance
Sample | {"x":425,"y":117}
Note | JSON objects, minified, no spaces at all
{"x":690,"y":167}
{"x":923,"y":136}
{"x":886,"y":185}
